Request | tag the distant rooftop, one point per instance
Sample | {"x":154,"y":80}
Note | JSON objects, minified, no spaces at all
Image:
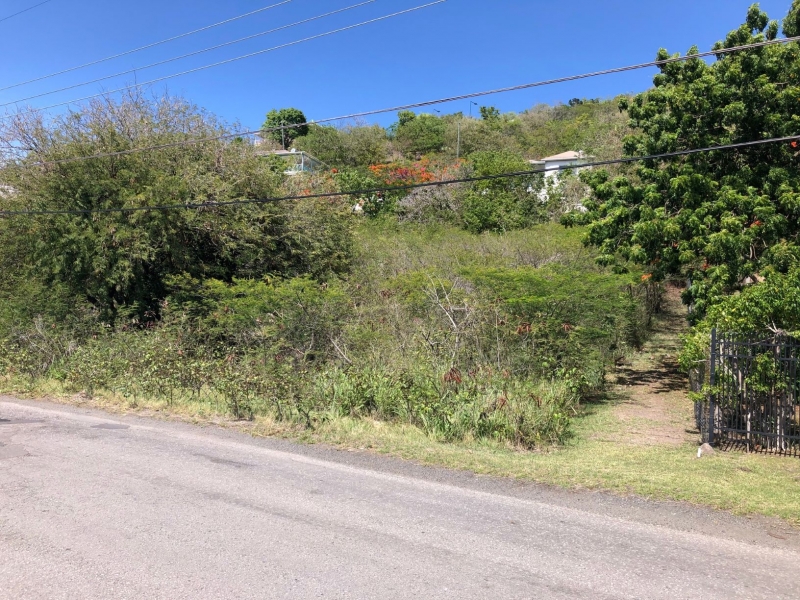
{"x":565,"y":156}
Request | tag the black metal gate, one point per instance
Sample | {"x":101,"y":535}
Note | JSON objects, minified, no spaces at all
{"x":754,"y":393}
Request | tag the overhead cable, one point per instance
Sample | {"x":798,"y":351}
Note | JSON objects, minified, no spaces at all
{"x":250,"y":55}
{"x":195,"y":53}
{"x":139,"y":49}
{"x":16,"y":14}
{"x":655,"y":63}
{"x":380,"y":190}
{"x":524,"y":86}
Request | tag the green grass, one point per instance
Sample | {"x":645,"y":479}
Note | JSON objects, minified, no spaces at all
{"x":739,"y":483}
{"x":385,"y":249}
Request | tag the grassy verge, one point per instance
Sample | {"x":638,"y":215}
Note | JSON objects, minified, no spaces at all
{"x":739,"y":483}
{"x":597,"y":458}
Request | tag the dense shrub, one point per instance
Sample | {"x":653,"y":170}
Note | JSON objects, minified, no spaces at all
{"x":119,"y":261}
{"x":770,"y":307}
{"x":421,"y":134}
{"x":502,"y":204}
{"x":352,"y":146}
{"x":465,"y":337}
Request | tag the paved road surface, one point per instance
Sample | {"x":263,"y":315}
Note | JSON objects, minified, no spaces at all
{"x":99,"y":506}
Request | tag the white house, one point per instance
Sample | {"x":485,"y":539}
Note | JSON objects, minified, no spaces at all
{"x":297,"y":161}
{"x":553,"y":167}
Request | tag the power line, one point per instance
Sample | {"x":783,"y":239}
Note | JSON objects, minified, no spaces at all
{"x":378,"y":190}
{"x":250,"y":55}
{"x":195,"y":53}
{"x":659,"y":63}
{"x":524,"y":86}
{"x":24,"y":10}
{"x":153,"y":45}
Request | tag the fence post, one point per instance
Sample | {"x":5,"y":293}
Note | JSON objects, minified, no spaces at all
{"x":712,"y":380}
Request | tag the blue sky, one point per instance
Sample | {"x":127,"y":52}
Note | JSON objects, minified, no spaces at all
{"x":456,"y":47}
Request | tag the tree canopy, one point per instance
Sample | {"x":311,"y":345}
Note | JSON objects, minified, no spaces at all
{"x":419,"y":134}
{"x":276,"y":126}
{"x":719,"y":219}
{"x":489,"y":113}
{"x":502,"y":204}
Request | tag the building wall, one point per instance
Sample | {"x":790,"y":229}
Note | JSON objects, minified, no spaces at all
{"x":555,"y":165}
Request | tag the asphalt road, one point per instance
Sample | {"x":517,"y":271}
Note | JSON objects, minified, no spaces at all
{"x":101,"y":506}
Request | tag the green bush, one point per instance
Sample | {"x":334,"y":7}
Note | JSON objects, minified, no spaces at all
{"x":502,"y":204}
{"x":299,"y":317}
{"x":347,"y":147}
{"x":119,"y":261}
{"x":419,"y":134}
{"x":769,"y":308}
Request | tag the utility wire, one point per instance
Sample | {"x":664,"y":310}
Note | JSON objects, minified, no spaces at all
{"x":378,"y":190}
{"x":657,"y":63}
{"x":16,"y":14}
{"x":250,"y":55}
{"x":153,"y":45}
{"x":195,"y":53}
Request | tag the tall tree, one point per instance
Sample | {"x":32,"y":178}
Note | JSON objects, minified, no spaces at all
{"x":285,"y":125}
{"x":723,"y":218}
{"x":489,"y":113}
{"x":419,"y":134}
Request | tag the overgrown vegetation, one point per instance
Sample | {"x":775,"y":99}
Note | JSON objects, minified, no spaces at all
{"x":596,"y":127}
{"x":464,"y":337}
{"x":118,"y":262}
{"x":302,"y":311}
{"x":463,"y":310}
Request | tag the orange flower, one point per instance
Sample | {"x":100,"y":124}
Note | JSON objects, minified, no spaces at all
{"x":647,"y":276}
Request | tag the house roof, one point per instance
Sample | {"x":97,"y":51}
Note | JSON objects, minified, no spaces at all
{"x":284,"y":152}
{"x":564,"y":156}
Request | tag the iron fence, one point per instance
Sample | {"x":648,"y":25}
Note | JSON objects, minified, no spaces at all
{"x":753,"y":398}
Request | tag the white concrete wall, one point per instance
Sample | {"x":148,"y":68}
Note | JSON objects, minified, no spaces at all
{"x":553,"y":170}
{"x":554,"y":167}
